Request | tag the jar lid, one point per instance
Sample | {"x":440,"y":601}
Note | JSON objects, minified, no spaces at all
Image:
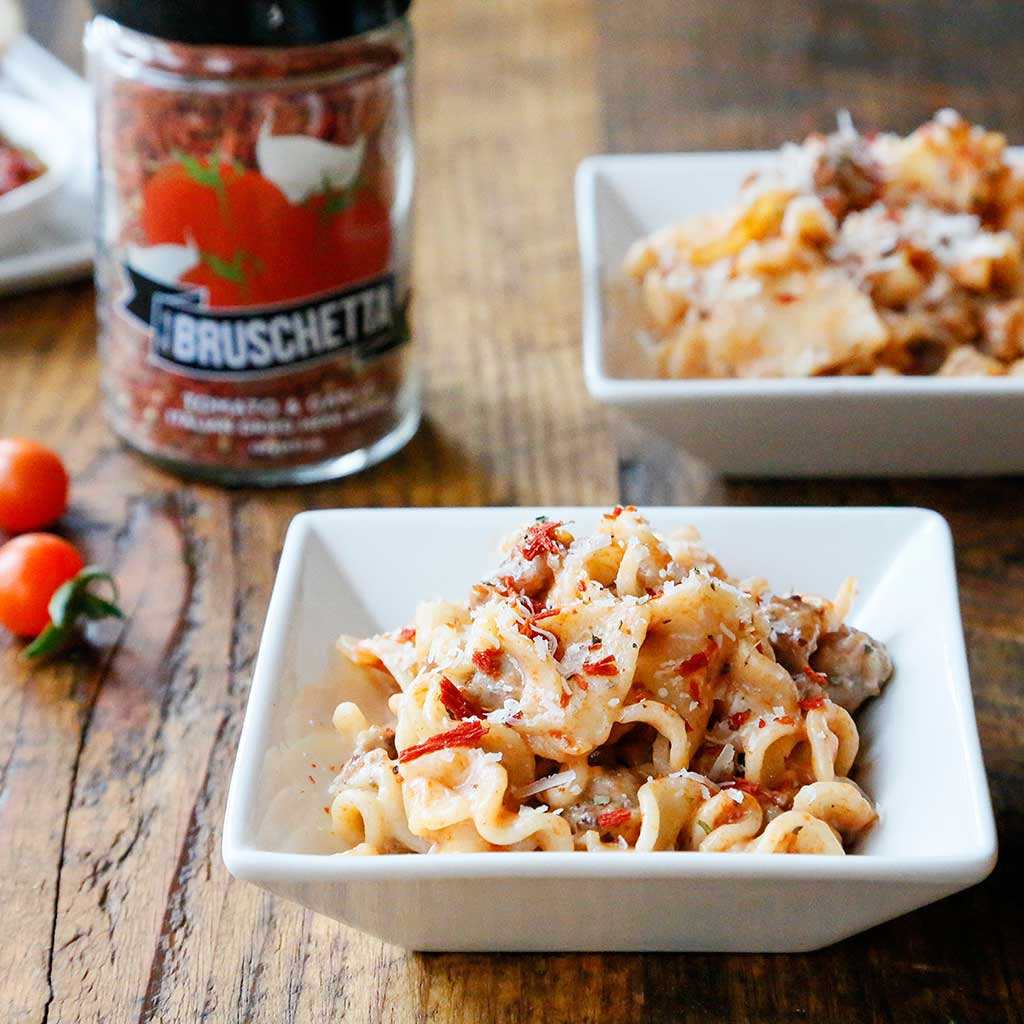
{"x":252,"y":22}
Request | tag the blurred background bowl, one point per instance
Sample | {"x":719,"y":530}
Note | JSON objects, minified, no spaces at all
{"x":30,"y":126}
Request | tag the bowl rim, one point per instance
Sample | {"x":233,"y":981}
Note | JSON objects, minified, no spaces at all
{"x":608,"y":387}
{"x":246,"y":861}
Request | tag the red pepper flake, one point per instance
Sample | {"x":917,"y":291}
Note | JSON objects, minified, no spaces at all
{"x":812,"y":703}
{"x":540,"y":538}
{"x":611,"y":819}
{"x":760,"y":723}
{"x":595,"y":646}
{"x":784,"y":719}
{"x":738,"y":719}
{"x":563,"y":701}
{"x":818,"y":677}
{"x":759,"y":647}
{"x":327,"y":810}
{"x":465,"y":734}
{"x":785,"y":298}
{"x":618,"y":510}
{"x":694,"y":662}
{"x":546,"y":613}
{"x":407,"y":635}
{"x":694,"y":689}
{"x":655,"y":594}
{"x":581,"y":682}
{"x":488,"y":661}
{"x":581,"y":586}
{"x":456,"y":703}
{"x":605,"y":667}
{"x":687,"y":726}
{"x":311,"y":779}
{"x":505,"y":584}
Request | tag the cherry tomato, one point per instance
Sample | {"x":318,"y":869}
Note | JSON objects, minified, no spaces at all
{"x":33,"y":485}
{"x":32,"y":567}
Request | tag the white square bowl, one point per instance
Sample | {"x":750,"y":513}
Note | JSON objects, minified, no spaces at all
{"x":364,"y":570}
{"x":822,"y":426}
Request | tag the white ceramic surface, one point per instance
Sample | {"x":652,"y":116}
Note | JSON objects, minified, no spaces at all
{"x":826,"y":426}
{"x":30,"y":126}
{"x":50,"y":240}
{"x":363,"y":570}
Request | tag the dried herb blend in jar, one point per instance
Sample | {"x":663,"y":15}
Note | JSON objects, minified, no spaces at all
{"x":252,"y":266}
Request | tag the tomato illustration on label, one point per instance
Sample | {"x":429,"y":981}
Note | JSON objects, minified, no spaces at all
{"x":246,"y":241}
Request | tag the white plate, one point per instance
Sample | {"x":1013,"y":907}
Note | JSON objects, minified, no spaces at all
{"x":360,"y":571}
{"x":51,"y":241}
{"x":825,"y":426}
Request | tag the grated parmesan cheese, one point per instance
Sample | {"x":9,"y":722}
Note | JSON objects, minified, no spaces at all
{"x":724,"y":763}
{"x":548,"y":782}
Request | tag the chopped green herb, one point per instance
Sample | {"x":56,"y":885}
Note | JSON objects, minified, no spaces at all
{"x":704,"y":825}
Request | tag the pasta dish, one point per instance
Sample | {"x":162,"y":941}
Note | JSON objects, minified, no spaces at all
{"x":850,"y":254}
{"x":614,"y":691}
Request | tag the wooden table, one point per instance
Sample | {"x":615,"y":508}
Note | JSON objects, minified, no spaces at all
{"x":114,"y":764}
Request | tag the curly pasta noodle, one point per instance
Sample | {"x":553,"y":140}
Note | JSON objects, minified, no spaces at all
{"x":617,"y":691}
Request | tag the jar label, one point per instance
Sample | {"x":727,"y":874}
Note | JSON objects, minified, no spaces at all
{"x":191,"y":338}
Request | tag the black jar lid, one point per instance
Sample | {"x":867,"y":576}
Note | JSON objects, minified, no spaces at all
{"x":252,"y":22}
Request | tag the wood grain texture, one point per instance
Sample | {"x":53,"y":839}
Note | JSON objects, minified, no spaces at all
{"x":114,"y":765}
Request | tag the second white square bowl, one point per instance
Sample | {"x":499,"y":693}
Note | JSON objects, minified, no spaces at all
{"x":819,"y":426}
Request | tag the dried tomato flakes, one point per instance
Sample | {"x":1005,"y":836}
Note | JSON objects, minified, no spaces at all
{"x":694,"y":662}
{"x":618,"y":510}
{"x":488,"y":661}
{"x":612,"y":819}
{"x":738,"y":719}
{"x":817,"y":677}
{"x":505,"y":585}
{"x":456,"y":703}
{"x":605,"y":667}
{"x":465,"y":734}
{"x":540,"y":538}
{"x":812,"y":703}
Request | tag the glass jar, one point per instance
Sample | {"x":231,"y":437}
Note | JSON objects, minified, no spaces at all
{"x":253,"y":240}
